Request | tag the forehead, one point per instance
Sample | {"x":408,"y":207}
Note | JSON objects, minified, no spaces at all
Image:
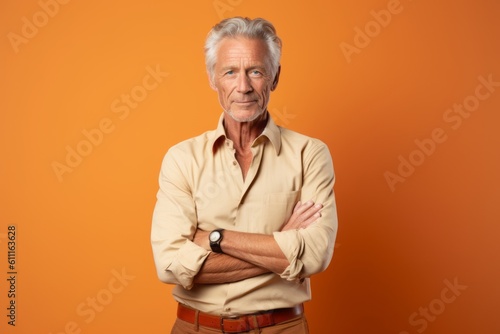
{"x":240,"y":48}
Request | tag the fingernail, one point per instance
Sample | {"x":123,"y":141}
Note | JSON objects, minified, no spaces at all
{"x":318,"y":205}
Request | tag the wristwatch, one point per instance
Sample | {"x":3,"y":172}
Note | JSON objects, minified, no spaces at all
{"x":215,"y":237}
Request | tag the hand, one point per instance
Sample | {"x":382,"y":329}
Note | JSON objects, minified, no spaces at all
{"x":201,"y":239}
{"x":303,"y":215}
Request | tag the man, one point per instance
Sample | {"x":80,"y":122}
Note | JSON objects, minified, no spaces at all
{"x":245,"y":214}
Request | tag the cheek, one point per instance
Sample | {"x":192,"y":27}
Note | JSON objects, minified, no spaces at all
{"x":224,"y":91}
{"x":224,"y":97}
{"x":265,"y":92}
{"x":221,"y":92}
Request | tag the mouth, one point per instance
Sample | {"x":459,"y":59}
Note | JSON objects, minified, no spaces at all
{"x":245,"y":102}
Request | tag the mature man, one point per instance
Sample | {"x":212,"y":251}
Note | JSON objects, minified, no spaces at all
{"x":245,"y":213}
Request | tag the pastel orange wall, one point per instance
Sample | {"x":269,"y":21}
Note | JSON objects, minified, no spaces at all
{"x":397,"y":89}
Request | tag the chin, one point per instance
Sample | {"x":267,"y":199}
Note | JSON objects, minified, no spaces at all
{"x":245,"y":115}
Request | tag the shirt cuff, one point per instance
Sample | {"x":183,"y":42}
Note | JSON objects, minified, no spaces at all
{"x":292,"y":245}
{"x":187,"y":263}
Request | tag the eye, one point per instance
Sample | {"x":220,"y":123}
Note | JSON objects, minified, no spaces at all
{"x":230,"y":72}
{"x":255,"y":73}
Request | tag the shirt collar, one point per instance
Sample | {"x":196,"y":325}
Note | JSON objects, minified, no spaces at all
{"x":271,"y":131}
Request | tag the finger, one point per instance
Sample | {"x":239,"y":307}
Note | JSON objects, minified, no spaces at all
{"x":303,"y":206}
{"x":302,"y":222}
{"x":310,"y":220}
{"x":297,"y":206}
{"x":303,"y":215}
{"x":309,"y":212}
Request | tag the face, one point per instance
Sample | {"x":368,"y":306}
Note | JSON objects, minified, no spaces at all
{"x":242,"y":78}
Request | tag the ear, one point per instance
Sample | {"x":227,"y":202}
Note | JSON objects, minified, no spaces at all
{"x":211,"y":82}
{"x":276,"y":79}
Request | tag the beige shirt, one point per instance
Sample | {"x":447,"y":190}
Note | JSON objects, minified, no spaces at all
{"x":201,"y":186}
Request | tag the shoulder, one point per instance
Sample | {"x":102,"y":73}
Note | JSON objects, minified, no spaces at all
{"x":291,"y":139}
{"x":194,"y":143}
{"x":314,"y":154}
{"x":191,"y":149}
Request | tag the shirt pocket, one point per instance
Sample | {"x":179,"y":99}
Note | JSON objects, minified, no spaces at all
{"x":278,"y":208}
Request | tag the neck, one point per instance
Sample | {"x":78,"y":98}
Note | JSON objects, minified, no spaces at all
{"x":244,"y":133}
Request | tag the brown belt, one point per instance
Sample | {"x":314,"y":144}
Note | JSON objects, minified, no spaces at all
{"x":242,"y":323}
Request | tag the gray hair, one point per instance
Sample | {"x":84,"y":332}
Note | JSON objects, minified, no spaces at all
{"x":243,"y":27}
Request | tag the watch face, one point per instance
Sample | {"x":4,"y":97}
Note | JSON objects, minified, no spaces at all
{"x":214,"y":236}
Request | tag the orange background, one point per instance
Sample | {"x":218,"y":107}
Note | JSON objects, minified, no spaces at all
{"x":397,"y":249}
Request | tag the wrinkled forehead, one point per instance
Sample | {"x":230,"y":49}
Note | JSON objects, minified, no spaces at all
{"x":242,"y":49}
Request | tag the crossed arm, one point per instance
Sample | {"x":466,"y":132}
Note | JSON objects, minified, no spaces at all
{"x":301,"y":248}
{"x":248,"y":254}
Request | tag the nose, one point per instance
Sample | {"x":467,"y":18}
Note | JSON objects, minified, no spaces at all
{"x":244,"y":85}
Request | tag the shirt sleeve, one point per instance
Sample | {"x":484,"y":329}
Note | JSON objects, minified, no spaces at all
{"x":176,"y":257}
{"x":310,"y":250}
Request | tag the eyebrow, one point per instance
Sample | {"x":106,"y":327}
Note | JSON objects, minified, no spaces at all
{"x":262,"y":68}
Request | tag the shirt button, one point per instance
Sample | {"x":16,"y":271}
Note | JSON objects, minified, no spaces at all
{"x":234,"y":163}
{"x":227,"y":309}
